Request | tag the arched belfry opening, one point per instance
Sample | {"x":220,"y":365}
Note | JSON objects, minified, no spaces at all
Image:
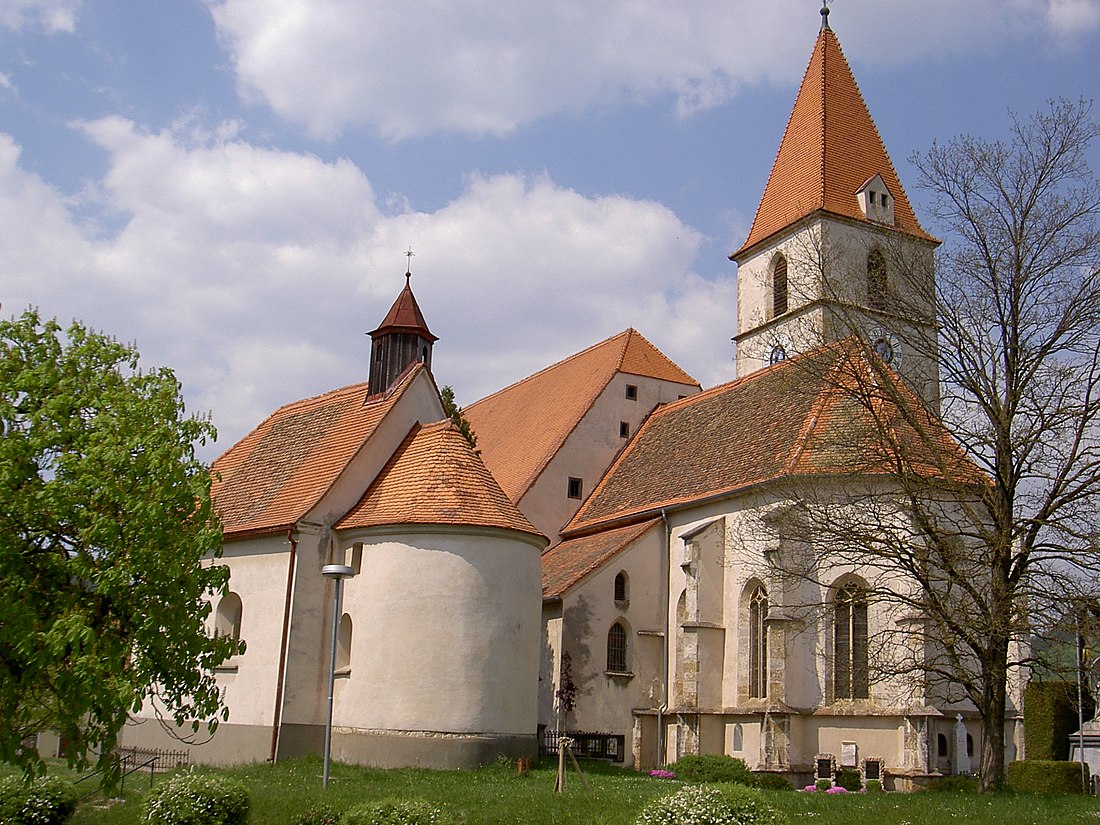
{"x":401,"y":339}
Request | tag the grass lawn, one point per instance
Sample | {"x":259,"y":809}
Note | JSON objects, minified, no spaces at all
{"x":498,"y":795}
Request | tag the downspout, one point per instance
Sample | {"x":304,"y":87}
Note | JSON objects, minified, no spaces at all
{"x":662,"y":709}
{"x":277,"y":716}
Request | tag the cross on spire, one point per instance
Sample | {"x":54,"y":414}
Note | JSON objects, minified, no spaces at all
{"x":824,"y":14}
{"x":408,"y":268}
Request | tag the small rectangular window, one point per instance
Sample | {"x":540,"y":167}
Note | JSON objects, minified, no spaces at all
{"x":632,"y":392}
{"x":624,"y":429}
{"x":575,"y":488}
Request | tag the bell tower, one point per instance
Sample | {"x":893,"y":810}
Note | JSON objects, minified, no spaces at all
{"x":835,"y":248}
{"x":401,"y":339}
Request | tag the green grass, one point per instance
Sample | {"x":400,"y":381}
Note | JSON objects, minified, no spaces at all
{"x":498,"y":795}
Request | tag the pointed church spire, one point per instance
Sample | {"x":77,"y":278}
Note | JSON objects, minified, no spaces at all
{"x":401,"y":339}
{"x":830,"y":151}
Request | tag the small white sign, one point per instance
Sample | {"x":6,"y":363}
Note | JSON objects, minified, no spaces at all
{"x":848,"y":755}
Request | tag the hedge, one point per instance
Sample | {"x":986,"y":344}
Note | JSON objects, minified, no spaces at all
{"x":1044,"y":776}
{"x":1050,"y":716}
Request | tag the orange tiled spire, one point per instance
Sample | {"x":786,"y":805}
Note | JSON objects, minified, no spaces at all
{"x":830,"y":148}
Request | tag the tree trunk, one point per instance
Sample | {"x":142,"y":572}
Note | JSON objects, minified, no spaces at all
{"x":992,"y":711}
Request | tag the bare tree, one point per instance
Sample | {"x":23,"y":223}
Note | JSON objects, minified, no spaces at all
{"x":975,"y":524}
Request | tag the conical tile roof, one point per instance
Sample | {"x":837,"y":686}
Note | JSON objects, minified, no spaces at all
{"x":830,"y":149}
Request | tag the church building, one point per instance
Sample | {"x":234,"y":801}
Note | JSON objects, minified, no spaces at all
{"x":602,"y":563}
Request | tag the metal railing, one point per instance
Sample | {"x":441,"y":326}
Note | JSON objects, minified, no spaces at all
{"x":586,"y":745}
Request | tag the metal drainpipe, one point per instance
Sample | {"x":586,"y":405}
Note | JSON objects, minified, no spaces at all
{"x":277,"y":716}
{"x":666,"y":565}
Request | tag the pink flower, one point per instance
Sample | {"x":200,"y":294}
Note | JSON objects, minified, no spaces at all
{"x":810,"y":788}
{"x":837,"y":789}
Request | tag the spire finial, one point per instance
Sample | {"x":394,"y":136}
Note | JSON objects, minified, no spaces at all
{"x":824,"y":14}
{"x":408,"y":267}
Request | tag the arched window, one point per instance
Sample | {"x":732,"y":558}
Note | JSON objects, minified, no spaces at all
{"x":622,"y":590}
{"x":941,"y":746}
{"x":738,"y":737}
{"x":758,"y":643}
{"x":616,"y":648}
{"x":850,"y":678}
{"x":343,"y":644}
{"x":227,"y":621}
{"x":779,"y":287}
{"x":877,"y":287}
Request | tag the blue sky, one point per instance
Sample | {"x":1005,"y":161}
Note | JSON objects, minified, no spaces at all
{"x":232,"y":184}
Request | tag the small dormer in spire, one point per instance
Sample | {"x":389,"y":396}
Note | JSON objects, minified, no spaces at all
{"x":402,"y":338}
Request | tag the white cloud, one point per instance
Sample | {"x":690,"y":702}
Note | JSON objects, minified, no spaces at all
{"x":52,"y":15}
{"x":255,"y":273}
{"x":481,"y":67}
{"x":1074,"y":18}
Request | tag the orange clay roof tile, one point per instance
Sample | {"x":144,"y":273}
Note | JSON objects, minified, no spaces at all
{"x":274,"y":475}
{"x":804,"y":416}
{"x":568,"y":562}
{"x":830,"y":148}
{"x":520,"y":428}
{"x":435,"y":477}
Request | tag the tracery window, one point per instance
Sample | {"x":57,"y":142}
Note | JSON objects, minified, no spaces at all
{"x":850,"y":675}
{"x":877,"y":287}
{"x":779,"y":287}
{"x":758,"y":643}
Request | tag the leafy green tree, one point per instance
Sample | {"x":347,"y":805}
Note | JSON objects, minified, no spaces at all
{"x":105,"y":521}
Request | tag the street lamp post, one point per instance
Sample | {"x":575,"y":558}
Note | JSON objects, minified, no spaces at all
{"x":336,"y":572}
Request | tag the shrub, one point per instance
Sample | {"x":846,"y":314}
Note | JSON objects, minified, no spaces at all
{"x":46,"y":800}
{"x":395,"y":812}
{"x":849,"y":779}
{"x":771,"y":782}
{"x":320,"y":815}
{"x":712,"y":768}
{"x":874,"y":786}
{"x":710,"y":805}
{"x":954,"y":783}
{"x":1044,"y":776}
{"x":197,"y":799}
{"x":823,"y":784}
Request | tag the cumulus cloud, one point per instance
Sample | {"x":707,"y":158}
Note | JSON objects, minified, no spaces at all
{"x":255,"y":272}
{"x":481,"y":67}
{"x":52,"y":15}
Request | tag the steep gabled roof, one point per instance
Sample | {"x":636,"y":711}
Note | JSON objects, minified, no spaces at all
{"x":436,"y":477}
{"x":405,"y":316}
{"x":568,"y":562}
{"x":817,"y":414}
{"x":277,"y":473}
{"x":830,"y":148}
{"x":520,"y":428}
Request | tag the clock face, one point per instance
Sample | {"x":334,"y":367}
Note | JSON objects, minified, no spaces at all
{"x":886,"y":346}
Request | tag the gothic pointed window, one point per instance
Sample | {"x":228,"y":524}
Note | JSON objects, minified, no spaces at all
{"x":850,"y":674}
{"x":616,"y":648}
{"x":877,"y":287}
{"x":779,"y":287}
{"x":622,"y":592}
{"x":758,"y":643}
